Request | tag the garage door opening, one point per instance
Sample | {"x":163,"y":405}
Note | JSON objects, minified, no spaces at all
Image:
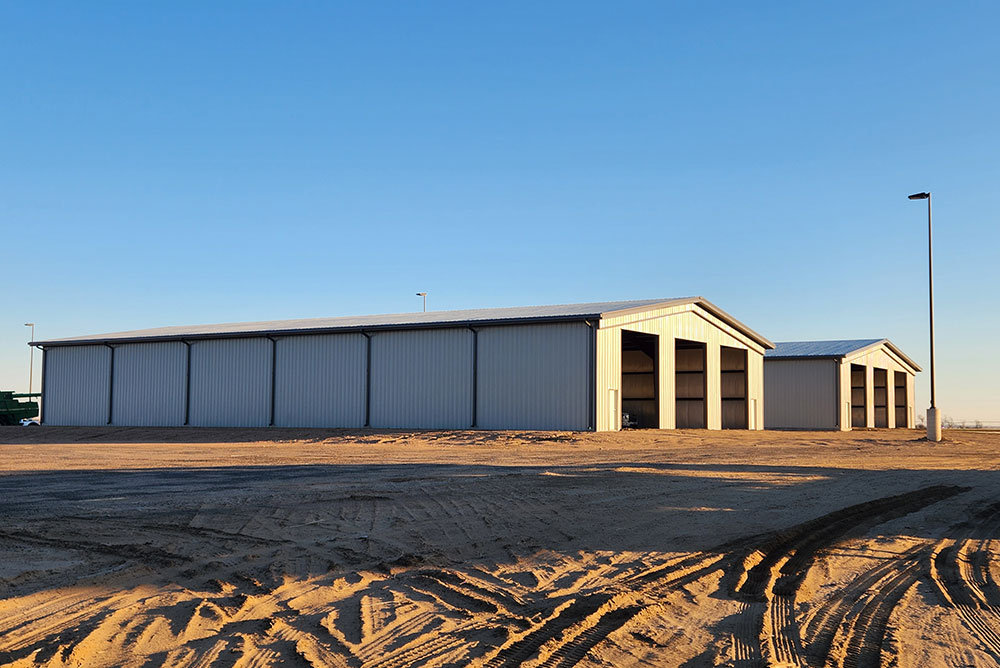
{"x":640,"y":400}
{"x":859,"y":416}
{"x":901,"y":403}
{"x":881,"y":392}
{"x":690,"y":385}
{"x":733,"y":364}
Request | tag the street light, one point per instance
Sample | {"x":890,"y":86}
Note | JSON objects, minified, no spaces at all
{"x":31,"y":357}
{"x":933,"y":416}
{"x":424,"y":295}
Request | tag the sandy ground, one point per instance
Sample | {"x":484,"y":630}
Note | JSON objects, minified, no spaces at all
{"x":199,"y":547}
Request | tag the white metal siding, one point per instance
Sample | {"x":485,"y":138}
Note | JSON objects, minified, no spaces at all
{"x":800,"y":394}
{"x":689,"y":322}
{"x":149,"y":384}
{"x":231,"y":383}
{"x":609,"y":373}
{"x":755,"y":385}
{"x":422,"y":379}
{"x":320,"y":381}
{"x":534,"y":377}
{"x":77,"y":380}
{"x":883,"y":358}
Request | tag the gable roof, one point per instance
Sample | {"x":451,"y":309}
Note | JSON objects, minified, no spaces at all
{"x":435,"y":319}
{"x":837,"y":349}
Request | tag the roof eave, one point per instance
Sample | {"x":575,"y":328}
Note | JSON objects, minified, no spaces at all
{"x":803,"y":357}
{"x":704,"y":303}
{"x":853,"y":353}
{"x":648,"y":307}
{"x":453,"y":324}
{"x":264,"y":333}
{"x":892,"y":347}
{"x":733,"y":322}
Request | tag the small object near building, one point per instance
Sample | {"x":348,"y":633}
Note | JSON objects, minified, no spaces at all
{"x":666,"y":363}
{"x":852,"y":384}
{"x":13,"y":411}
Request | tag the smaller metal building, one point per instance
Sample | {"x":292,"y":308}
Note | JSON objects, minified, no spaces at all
{"x":851,"y":384}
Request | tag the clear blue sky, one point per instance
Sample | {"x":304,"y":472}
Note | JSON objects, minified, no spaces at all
{"x":190,"y":162}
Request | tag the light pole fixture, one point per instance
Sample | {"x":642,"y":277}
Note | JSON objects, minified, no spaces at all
{"x":933,"y":416}
{"x":31,"y":356}
{"x":424,"y":295}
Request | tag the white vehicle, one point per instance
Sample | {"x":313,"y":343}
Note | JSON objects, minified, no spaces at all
{"x":29,"y":422}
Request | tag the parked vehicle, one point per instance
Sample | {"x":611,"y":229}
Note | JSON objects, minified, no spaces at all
{"x":13,"y":411}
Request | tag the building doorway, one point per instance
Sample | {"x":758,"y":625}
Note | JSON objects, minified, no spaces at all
{"x":881,"y":395}
{"x":690,"y":385}
{"x":640,"y":380}
{"x":901,"y":403}
{"x":859,"y":409}
{"x":733,"y":367}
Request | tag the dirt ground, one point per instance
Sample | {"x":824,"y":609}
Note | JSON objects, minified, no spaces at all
{"x":210,"y":547}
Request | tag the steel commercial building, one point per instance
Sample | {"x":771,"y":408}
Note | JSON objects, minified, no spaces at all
{"x":665,"y":363}
{"x":842,"y":385}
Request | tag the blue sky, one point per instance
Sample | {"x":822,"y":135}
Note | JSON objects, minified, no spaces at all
{"x":190,"y":162}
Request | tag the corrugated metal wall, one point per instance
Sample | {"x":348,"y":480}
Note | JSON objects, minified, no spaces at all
{"x":534,"y":377}
{"x":77,"y":381}
{"x":149,"y":384}
{"x":231,"y":383}
{"x":800,"y":394}
{"x":320,"y":381}
{"x":422,"y":379}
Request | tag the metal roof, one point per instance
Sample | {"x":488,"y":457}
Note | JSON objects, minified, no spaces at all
{"x":839,"y":348}
{"x":831,"y":349}
{"x":554,"y":313}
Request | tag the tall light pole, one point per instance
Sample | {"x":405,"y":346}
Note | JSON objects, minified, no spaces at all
{"x":31,"y":356}
{"x":424,"y":295}
{"x":933,"y":416}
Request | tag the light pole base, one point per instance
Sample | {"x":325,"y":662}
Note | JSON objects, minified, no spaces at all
{"x":933,"y":424}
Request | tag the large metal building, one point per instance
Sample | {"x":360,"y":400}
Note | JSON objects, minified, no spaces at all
{"x":664,"y":363}
{"x":863,"y":383}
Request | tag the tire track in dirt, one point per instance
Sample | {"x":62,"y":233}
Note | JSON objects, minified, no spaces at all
{"x":464,"y":595}
{"x":591,"y":619}
{"x":147,"y":555}
{"x":572,"y":653}
{"x":745,"y":639}
{"x":851,"y":630}
{"x":863,"y":636}
{"x":823,"y":625}
{"x":552,"y":628}
{"x":960,"y":571}
{"x":771,"y":573}
{"x":418,"y":654}
{"x":567,"y":636}
{"x":455,"y":595}
{"x":407,"y":634}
